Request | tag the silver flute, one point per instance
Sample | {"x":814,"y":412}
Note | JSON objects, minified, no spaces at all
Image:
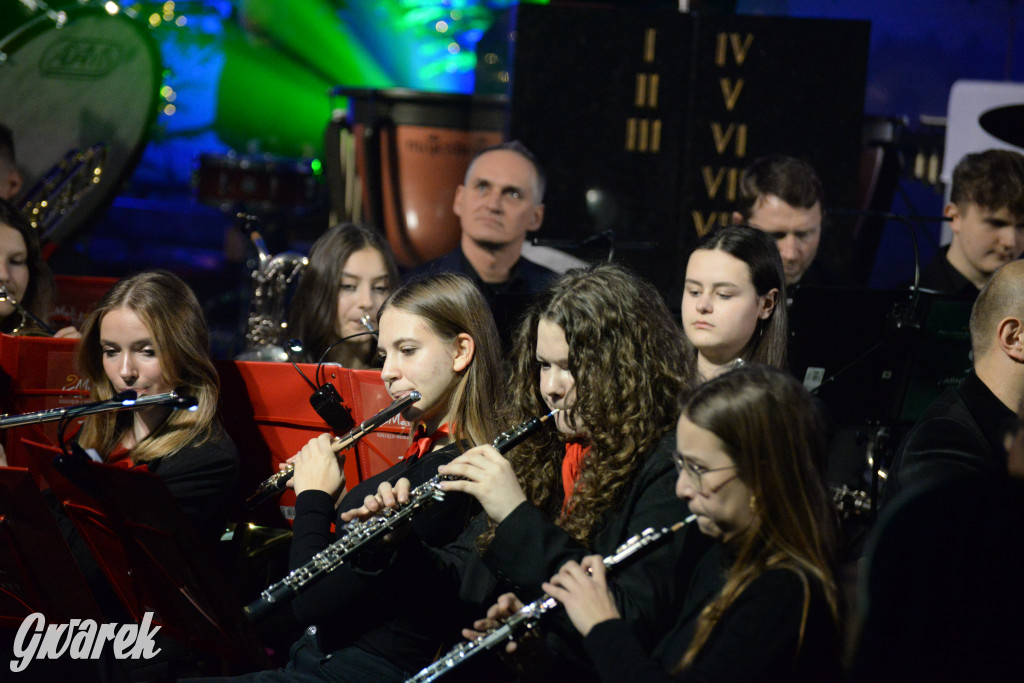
{"x":26,"y":315}
{"x":278,"y":482}
{"x":361,"y":533}
{"x":529,"y":615}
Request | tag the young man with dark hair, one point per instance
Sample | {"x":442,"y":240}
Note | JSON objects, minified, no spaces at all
{"x":783,"y":196}
{"x":986,"y":210}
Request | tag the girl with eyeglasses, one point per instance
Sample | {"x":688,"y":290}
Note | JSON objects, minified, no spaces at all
{"x":762,"y":606}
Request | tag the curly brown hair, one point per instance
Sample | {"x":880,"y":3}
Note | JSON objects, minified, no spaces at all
{"x":627,"y":357}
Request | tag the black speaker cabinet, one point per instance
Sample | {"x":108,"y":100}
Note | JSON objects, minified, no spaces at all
{"x":645,"y":118}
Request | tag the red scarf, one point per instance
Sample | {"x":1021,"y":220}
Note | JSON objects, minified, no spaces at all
{"x":572,"y":463}
{"x":422,"y":443}
{"x":120,"y":457}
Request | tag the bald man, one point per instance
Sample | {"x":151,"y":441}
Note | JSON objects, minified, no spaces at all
{"x":963,"y":433}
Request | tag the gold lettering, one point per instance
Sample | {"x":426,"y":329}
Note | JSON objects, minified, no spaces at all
{"x":641,"y":90}
{"x":730,"y":92}
{"x":649,"y":38}
{"x":722,"y":138}
{"x":740,"y":51}
{"x":644,"y":130}
{"x":630,"y":134}
{"x":656,"y":136}
{"x":714,"y":183}
{"x":652,"y":91}
{"x":720,"y":52}
{"x":703,"y":225}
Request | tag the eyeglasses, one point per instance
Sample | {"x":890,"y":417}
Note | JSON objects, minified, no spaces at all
{"x":696,"y":472}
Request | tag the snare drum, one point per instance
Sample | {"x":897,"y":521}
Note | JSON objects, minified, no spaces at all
{"x":73,"y":76}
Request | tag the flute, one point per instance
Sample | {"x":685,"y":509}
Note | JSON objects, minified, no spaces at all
{"x":119,"y":402}
{"x":277,"y":483}
{"x":359,"y":534}
{"x":529,"y":615}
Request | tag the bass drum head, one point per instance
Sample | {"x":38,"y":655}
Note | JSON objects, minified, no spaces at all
{"x":94,"y":80}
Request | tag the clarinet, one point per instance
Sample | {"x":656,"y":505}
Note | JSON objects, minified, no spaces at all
{"x":359,"y":534}
{"x":529,"y":615}
{"x":277,"y":483}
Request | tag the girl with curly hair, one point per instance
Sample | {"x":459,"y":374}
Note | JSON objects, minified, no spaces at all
{"x":601,"y":347}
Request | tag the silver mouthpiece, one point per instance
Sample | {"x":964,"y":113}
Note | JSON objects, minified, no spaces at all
{"x":367,"y":322}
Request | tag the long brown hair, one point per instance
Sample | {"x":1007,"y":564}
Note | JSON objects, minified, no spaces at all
{"x":757,"y":249}
{"x":313,"y":315}
{"x":451,"y":305}
{"x":626,"y":356}
{"x":38,"y":297}
{"x":171,"y":313}
{"x":771,"y":431}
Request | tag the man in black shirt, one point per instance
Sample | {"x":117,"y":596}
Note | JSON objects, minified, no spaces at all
{"x":986,"y":210}
{"x":962,"y":433}
{"x":499,"y":202}
{"x":783,"y":196}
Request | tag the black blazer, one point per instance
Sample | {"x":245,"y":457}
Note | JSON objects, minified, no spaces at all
{"x":959,"y":435}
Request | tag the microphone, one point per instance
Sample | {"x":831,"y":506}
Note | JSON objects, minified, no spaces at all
{"x":325,"y":399}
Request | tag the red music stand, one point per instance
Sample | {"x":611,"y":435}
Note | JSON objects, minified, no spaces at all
{"x":386,"y":445}
{"x":265,"y":408}
{"x":37,"y":571}
{"x":77,"y":295}
{"x":40,"y":372}
{"x":150,"y":555}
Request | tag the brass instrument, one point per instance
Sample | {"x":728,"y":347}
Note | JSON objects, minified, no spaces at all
{"x":359,"y":534}
{"x":277,"y":483}
{"x":268,"y":289}
{"x":528,"y":616}
{"x":23,"y":327}
{"x":53,"y":198}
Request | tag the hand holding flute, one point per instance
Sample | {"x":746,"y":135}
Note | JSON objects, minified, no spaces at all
{"x":318,"y":467}
{"x":482,"y":472}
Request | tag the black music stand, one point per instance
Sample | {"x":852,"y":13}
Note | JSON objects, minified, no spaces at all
{"x":874,"y":355}
{"x":151,"y":557}
{"x":37,"y":571}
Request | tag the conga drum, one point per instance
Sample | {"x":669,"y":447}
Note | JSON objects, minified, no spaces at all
{"x":396,"y":158}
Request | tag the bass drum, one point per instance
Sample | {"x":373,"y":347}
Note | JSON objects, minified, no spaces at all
{"x":71,"y":78}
